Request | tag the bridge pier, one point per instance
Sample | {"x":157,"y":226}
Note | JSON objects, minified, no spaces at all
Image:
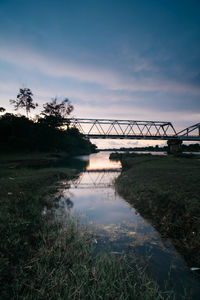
{"x":174,"y":146}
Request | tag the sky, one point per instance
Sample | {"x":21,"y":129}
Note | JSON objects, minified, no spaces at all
{"x":115,"y":59}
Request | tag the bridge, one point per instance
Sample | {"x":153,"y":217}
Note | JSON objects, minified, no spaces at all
{"x":134,"y":129}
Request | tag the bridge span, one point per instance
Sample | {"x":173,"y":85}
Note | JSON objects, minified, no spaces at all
{"x":133,"y":129}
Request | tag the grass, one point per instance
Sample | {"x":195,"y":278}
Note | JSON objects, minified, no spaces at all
{"x":42,"y":258}
{"x":22,"y":196}
{"x":166,"y":190}
{"x":30,"y":159}
{"x":67,"y":269}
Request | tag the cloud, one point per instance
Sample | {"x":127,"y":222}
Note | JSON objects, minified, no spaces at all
{"x":106,"y":105}
{"x":111,"y":80}
{"x":114,"y":111}
{"x":116,"y":95}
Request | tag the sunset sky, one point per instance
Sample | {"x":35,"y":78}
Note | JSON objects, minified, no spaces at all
{"x":137,"y":60}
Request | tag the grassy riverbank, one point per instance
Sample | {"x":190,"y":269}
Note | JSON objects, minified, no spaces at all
{"x":41,"y":259}
{"x":22,"y":194}
{"x":166,"y":190}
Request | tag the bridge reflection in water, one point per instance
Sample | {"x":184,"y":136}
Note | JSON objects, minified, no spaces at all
{"x":95,"y":179}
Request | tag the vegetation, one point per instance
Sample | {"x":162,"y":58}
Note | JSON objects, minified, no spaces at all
{"x":45,"y":258}
{"x":54,"y":113}
{"x":22,"y":201}
{"x":184,"y":147}
{"x":2,"y":109}
{"x":24,"y":100}
{"x":41,"y":255}
{"x":20,"y":134}
{"x":50,"y":132}
{"x":165,"y":189}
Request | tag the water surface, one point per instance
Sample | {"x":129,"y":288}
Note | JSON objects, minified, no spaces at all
{"x":117,"y":225}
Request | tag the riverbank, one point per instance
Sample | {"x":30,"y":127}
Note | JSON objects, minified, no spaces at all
{"x":165,"y":190}
{"x":42,"y":259}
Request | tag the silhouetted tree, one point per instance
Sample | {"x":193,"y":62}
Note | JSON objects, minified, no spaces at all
{"x":2,"y":109}
{"x":54,"y":113}
{"x":24,"y":100}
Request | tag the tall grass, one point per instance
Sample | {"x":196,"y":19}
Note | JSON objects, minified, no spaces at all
{"x":23,"y":195}
{"x":45,"y":259}
{"x":65,"y":267}
{"x":166,"y":190}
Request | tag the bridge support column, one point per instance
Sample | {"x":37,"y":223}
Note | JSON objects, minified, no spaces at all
{"x":174,"y":146}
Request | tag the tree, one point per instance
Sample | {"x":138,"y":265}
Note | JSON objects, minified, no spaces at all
{"x":24,"y":100}
{"x":54,"y":113}
{"x":2,"y":109}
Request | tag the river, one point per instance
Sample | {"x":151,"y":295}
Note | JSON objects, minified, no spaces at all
{"x":119,"y":228}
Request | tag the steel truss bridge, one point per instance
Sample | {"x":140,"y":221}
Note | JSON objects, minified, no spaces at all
{"x":131,"y":129}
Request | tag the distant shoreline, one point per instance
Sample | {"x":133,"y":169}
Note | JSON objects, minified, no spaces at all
{"x":185,"y":148}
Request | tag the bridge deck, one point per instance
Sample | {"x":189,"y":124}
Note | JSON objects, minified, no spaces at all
{"x":131,"y":137}
{"x":144,"y":137}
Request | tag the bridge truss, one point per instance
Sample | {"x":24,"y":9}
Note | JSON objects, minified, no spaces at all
{"x":124,"y":129}
{"x":132,"y":129}
{"x":190,"y":133}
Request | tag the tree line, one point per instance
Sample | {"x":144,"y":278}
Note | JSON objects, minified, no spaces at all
{"x":50,"y":131}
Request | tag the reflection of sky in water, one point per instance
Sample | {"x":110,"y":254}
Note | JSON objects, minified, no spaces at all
{"x":95,"y":161}
{"x":116,"y":223}
{"x":103,"y":206}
